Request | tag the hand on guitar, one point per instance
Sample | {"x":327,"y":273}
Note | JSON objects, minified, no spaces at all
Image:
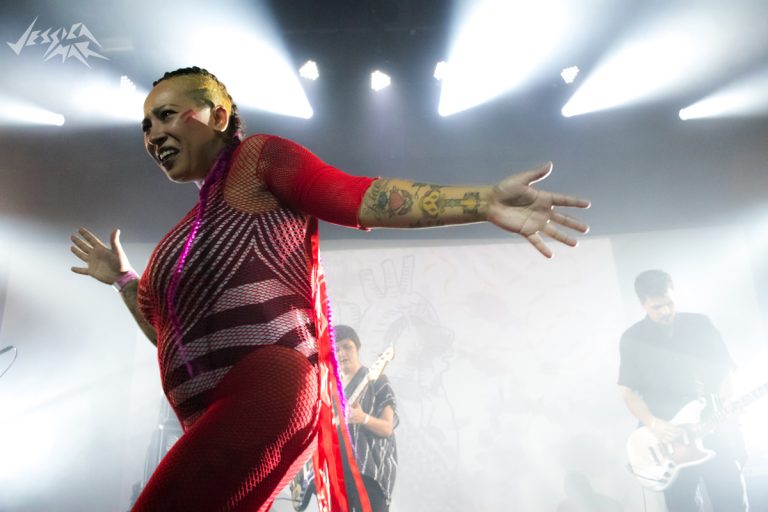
{"x":355,"y":414}
{"x":665,"y":431}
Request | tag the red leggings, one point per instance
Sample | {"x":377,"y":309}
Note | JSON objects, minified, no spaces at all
{"x":252,"y":440}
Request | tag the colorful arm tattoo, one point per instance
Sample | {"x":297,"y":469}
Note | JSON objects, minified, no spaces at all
{"x":422,"y":204}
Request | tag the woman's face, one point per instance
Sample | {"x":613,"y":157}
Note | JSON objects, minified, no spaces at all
{"x":183,"y":137}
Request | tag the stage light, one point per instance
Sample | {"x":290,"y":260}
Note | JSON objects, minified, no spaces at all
{"x":105,"y":99}
{"x":380,"y":80}
{"x":267,"y":83}
{"x":309,"y":70}
{"x":441,"y":68}
{"x":241,"y":46}
{"x":744,"y":98}
{"x":498,"y":46}
{"x":674,"y":51}
{"x":126,"y":85}
{"x":20,"y":112}
{"x":569,"y":74}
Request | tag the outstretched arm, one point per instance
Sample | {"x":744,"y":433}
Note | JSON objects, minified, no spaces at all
{"x":512,"y":204}
{"x":305,"y":183}
{"x":107,"y":264}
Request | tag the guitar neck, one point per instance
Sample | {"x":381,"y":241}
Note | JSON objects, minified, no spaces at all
{"x":751,"y":397}
{"x":743,"y":401}
{"x":358,"y":391}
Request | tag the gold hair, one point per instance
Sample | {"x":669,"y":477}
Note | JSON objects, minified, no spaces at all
{"x":205,"y":89}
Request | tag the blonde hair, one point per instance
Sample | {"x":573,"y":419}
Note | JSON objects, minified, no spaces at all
{"x":207,"y":90}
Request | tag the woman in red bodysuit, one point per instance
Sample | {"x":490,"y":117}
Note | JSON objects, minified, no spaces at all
{"x":233,"y":295}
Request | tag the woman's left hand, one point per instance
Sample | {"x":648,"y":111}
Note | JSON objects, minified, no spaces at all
{"x":518,"y":207}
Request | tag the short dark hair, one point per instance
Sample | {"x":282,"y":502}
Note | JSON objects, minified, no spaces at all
{"x":345,"y":332}
{"x":652,"y":283}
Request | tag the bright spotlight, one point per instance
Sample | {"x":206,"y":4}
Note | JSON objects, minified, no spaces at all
{"x":104,"y":100}
{"x":19,"y":112}
{"x":665,"y":55}
{"x":746,"y":97}
{"x":440,"y":70}
{"x":380,"y":80}
{"x":269,"y":82}
{"x":309,"y":70}
{"x":126,"y":85}
{"x":569,"y":74}
{"x":491,"y":52}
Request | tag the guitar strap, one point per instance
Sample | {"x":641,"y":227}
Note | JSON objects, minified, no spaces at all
{"x":327,"y":461}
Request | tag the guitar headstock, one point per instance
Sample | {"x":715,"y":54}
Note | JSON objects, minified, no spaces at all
{"x":377,"y":368}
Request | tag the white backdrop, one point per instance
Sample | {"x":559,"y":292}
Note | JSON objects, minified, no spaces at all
{"x":505,"y":368}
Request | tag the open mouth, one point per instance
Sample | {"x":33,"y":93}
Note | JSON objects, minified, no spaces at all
{"x":167,"y":156}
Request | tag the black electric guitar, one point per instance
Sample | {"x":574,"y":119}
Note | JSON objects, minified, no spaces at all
{"x":656,"y":464}
{"x":302,"y":487}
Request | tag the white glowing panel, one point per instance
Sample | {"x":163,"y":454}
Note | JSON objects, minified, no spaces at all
{"x":380,"y":80}
{"x":127,"y":85}
{"x":309,"y":70}
{"x":676,"y":50}
{"x":441,"y":68}
{"x":569,"y":74}
{"x":498,"y":46}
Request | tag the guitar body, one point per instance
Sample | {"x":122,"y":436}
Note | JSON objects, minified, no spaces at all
{"x":657,"y":464}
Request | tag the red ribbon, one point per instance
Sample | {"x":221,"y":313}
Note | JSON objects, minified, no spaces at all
{"x":327,"y":461}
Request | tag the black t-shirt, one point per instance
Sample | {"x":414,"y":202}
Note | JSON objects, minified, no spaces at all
{"x":670,"y":367}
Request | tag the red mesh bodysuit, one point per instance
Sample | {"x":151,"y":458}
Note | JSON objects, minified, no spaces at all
{"x":232,"y":292}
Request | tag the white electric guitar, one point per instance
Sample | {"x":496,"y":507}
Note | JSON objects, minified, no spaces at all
{"x":656,"y":464}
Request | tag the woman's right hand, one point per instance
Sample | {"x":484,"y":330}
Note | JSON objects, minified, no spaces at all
{"x":103,"y":263}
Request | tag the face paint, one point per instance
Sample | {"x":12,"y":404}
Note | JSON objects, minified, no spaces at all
{"x":189,"y":115}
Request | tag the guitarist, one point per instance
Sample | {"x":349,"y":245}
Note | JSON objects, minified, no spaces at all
{"x":372,"y":421}
{"x":669,"y":359}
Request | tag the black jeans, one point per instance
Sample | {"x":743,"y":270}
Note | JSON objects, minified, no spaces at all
{"x":723,"y":481}
{"x":375,"y":496}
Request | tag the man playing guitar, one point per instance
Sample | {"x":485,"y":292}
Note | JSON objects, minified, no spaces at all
{"x":669,"y":360}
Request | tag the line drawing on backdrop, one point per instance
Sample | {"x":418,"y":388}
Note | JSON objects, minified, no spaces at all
{"x":395,"y":313}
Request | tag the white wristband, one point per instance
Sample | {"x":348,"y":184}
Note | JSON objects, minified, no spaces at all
{"x":365,"y":421}
{"x":125,"y":278}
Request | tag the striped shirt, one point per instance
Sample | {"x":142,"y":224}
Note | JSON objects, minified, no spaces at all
{"x":376,"y":456}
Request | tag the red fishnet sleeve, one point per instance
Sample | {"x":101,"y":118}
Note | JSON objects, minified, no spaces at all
{"x":305,"y":183}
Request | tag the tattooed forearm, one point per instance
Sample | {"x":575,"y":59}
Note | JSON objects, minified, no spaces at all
{"x":387,"y":200}
{"x":436,"y":202}
{"x":129,"y":293}
{"x":399,"y":203}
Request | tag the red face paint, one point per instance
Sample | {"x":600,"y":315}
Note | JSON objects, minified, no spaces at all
{"x":188,"y":115}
